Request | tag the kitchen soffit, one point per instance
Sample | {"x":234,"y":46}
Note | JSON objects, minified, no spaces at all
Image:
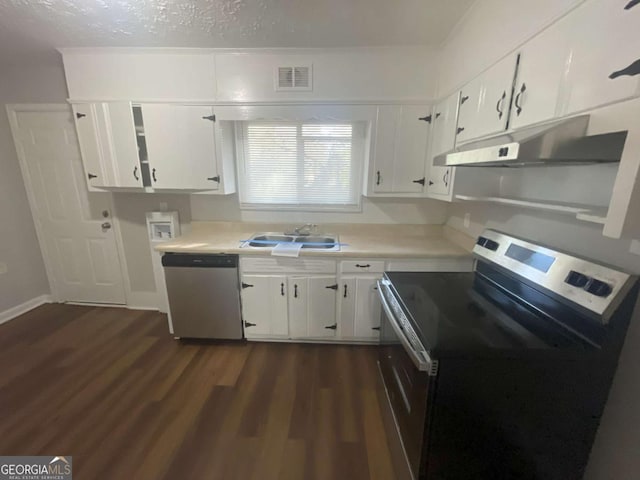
{"x":30,"y":26}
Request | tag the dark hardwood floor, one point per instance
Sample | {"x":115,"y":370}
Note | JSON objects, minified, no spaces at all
{"x":112,"y":388}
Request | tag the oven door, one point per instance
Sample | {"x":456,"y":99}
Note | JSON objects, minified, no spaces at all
{"x":407,"y":379}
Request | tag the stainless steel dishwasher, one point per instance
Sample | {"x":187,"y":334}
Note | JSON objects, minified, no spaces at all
{"x":204,"y":295}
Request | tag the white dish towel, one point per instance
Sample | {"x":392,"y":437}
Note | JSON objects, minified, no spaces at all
{"x":288,"y":249}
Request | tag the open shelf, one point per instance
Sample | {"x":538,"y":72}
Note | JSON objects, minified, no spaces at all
{"x":586,"y":213}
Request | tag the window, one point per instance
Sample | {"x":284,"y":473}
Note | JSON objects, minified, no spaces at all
{"x":299,"y":165}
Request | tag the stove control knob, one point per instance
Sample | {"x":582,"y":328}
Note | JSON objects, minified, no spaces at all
{"x":577,"y":279}
{"x":598,"y":288}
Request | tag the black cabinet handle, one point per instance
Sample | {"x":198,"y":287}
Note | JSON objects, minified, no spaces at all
{"x":282,"y":289}
{"x":420,"y":181}
{"x":445,"y":179}
{"x":375,"y":328}
{"x":523,"y":88}
{"x":332,"y":327}
{"x":246,"y":285}
{"x":91,"y":175}
{"x":247,"y":324}
{"x":153,"y":175}
{"x":631,"y":4}
{"x":345,"y":291}
{"x":630,"y":71}
{"x":214,"y":179}
{"x":295,"y":291}
{"x":459,"y":130}
{"x":500,"y":104}
{"x":426,"y":119}
{"x":378,"y":179}
{"x":464,"y":99}
{"x":80,"y":115}
{"x":135,"y":173}
{"x":363,"y":266}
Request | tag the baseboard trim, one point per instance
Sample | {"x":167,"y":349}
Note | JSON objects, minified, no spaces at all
{"x":142,"y":301}
{"x":18,"y":310}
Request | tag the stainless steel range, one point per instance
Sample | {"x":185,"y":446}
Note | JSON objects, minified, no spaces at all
{"x":503,"y":373}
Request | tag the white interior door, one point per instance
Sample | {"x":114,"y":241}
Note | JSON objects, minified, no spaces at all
{"x":75,"y":227}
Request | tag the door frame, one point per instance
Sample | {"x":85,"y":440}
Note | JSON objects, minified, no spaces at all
{"x":12,"y":110}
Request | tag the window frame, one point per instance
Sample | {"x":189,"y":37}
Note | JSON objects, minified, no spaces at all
{"x":359,"y":150}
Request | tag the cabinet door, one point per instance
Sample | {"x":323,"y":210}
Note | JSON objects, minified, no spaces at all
{"x":87,"y":117}
{"x":605,"y":53}
{"x":181,"y":145}
{"x":484,"y":102}
{"x":264,"y":305}
{"x":321,"y":306}
{"x":347,"y":299}
{"x":541,"y":75}
{"x":367,"y":314}
{"x":123,"y":146}
{"x":401,"y":147}
{"x":312,"y":307}
{"x":443,"y":139}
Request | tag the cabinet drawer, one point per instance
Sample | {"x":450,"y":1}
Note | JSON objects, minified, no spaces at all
{"x":291,"y":265}
{"x":362,"y":266}
{"x":460,"y":264}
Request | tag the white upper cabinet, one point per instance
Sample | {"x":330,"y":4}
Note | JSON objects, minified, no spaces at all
{"x":484,"y":102}
{"x":106,"y":135}
{"x":605,"y":53}
{"x":443,"y":139}
{"x":540,"y":77}
{"x":400,"y":149}
{"x":181,"y":145}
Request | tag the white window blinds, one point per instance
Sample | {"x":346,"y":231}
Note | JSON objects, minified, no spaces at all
{"x":293,"y":164}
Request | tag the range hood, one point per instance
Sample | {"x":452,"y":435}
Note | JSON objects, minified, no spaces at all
{"x":559,"y":143}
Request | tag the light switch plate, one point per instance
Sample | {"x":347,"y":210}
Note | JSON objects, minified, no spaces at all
{"x":635,"y":247}
{"x":3,"y":268}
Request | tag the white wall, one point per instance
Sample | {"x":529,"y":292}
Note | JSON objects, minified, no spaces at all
{"x":491,"y":29}
{"x":19,"y":249}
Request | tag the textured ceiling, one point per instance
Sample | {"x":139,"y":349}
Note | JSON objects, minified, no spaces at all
{"x":32,"y":26}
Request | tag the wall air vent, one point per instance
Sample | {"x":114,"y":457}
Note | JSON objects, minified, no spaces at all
{"x":293,"y":78}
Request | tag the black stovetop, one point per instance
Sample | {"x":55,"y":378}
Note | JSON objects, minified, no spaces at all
{"x":465,"y":313}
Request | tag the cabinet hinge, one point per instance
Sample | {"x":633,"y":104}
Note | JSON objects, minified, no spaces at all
{"x":333,"y":287}
{"x":247,"y":324}
{"x":631,"y":4}
{"x":214,"y":179}
{"x":375,"y":328}
{"x":332,"y":327}
{"x":420,"y":181}
{"x":210,"y":117}
{"x":426,"y":119}
{"x":91,"y":175}
{"x":631,"y":71}
{"x":80,"y":115}
{"x":464,"y":99}
{"x":246,"y":285}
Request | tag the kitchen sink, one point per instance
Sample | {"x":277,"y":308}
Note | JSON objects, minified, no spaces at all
{"x":268,"y":240}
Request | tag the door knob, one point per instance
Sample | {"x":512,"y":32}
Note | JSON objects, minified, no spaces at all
{"x":106,"y":226}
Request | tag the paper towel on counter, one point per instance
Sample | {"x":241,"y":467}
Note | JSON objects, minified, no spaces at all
{"x":289,"y":249}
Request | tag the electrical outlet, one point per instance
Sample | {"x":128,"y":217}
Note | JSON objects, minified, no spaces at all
{"x":3,"y":268}
{"x":635,"y":247}
{"x":467,"y":220}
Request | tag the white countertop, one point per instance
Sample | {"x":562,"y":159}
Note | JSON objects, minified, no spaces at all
{"x":358,"y":240}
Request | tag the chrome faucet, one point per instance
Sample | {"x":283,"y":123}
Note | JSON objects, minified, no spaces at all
{"x":306,"y":229}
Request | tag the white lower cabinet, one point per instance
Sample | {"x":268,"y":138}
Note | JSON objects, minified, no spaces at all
{"x":264,"y":305}
{"x":312,"y":306}
{"x":359,"y":308}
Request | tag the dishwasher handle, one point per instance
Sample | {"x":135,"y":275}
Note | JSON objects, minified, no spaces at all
{"x":199,"y":261}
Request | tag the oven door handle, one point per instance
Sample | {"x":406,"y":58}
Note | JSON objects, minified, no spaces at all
{"x":421,"y":363}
